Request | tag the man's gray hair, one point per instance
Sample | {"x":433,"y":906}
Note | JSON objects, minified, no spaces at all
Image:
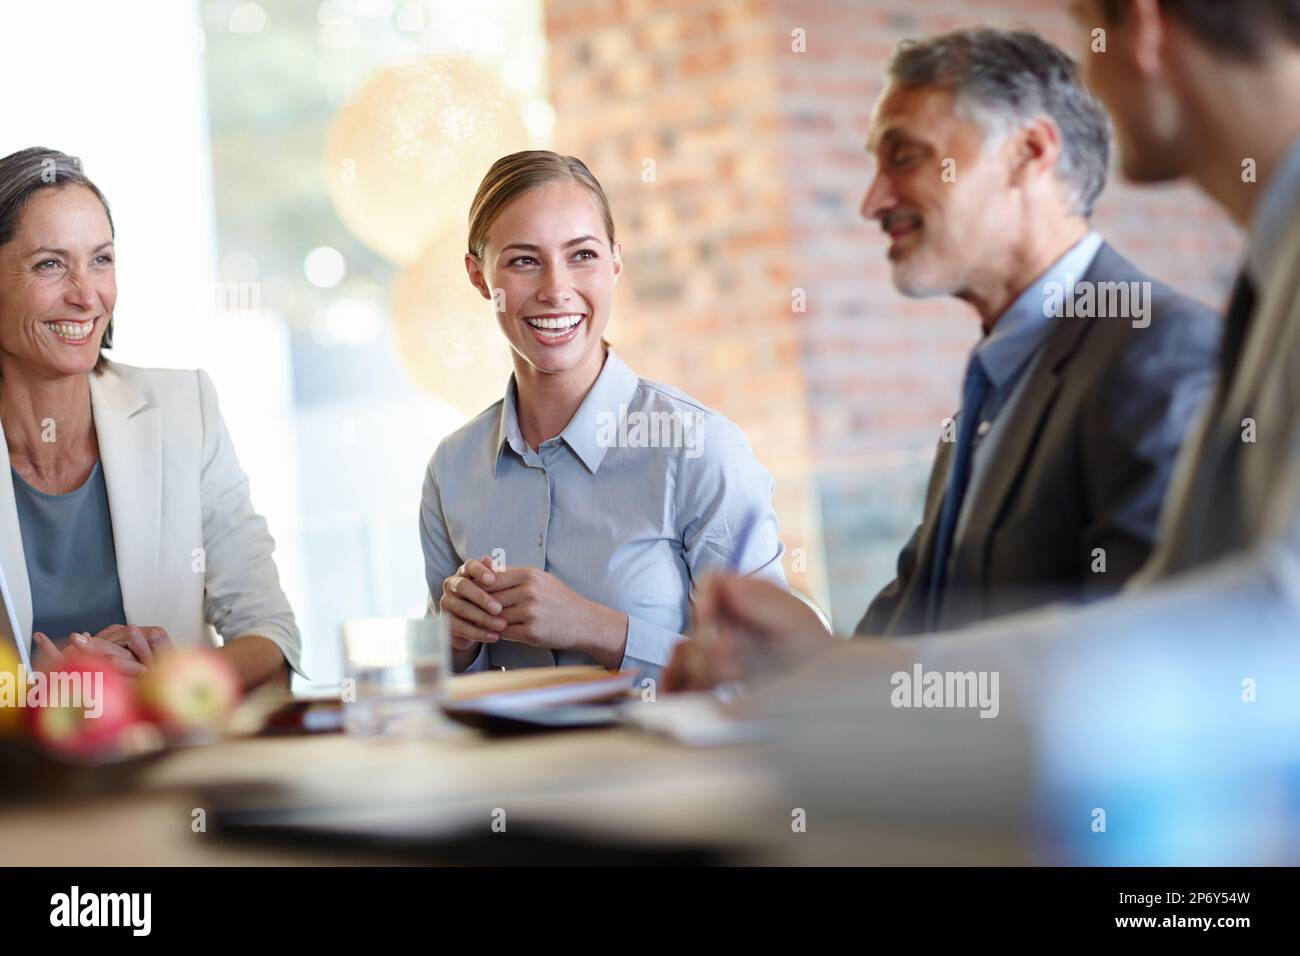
{"x":1001,"y":78}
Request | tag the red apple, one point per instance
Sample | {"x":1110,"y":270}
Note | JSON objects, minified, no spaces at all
{"x":103,"y":721}
{"x":189,"y":692}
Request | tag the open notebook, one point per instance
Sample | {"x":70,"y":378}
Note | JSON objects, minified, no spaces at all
{"x":528,"y":688}
{"x":537,"y":687}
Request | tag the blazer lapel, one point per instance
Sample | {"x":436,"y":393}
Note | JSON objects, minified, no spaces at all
{"x":1172,"y":530}
{"x":909,"y":617}
{"x":1020,"y":433}
{"x":1019,"y":437}
{"x":12,"y":559}
{"x":1198,"y":507}
{"x":130,"y":449}
{"x":1268,"y":338}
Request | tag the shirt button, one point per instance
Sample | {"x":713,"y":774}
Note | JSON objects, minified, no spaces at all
{"x":984,"y":428}
{"x":539,"y":540}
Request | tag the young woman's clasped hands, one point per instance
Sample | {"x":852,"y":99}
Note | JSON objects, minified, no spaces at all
{"x":528,"y":605}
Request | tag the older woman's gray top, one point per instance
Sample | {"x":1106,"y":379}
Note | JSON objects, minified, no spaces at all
{"x":68,"y":544}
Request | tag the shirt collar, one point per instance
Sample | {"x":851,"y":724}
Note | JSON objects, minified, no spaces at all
{"x":1023,"y":327}
{"x":610,"y":395}
{"x":1272,"y":214}
{"x":508,"y":433}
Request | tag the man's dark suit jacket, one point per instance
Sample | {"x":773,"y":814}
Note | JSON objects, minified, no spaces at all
{"x":1083,"y":463}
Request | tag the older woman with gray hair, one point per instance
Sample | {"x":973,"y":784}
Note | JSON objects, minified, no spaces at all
{"x":125,"y":522}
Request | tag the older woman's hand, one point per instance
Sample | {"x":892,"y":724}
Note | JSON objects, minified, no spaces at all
{"x":48,"y":656}
{"x":145,"y":643}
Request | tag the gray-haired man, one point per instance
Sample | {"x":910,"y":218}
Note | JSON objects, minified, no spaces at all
{"x":1047,"y":485}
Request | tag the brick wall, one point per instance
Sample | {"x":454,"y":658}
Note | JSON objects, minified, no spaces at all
{"x":758,"y":172}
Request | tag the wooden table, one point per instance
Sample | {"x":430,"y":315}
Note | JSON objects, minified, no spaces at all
{"x":615,"y":787}
{"x":612,"y":784}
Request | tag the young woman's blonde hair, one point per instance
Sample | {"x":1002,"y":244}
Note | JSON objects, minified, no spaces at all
{"x":512,"y":176}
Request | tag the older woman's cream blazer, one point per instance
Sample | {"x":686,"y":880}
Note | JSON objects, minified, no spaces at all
{"x":192,"y":554}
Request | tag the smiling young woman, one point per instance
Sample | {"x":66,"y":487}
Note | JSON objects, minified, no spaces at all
{"x":550,"y":537}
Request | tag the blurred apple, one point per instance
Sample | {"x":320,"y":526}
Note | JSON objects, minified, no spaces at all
{"x":189,"y":692}
{"x":11,"y":671}
{"x":102,"y":719}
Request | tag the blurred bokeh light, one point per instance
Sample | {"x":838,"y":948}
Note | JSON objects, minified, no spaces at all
{"x":404,"y":155}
